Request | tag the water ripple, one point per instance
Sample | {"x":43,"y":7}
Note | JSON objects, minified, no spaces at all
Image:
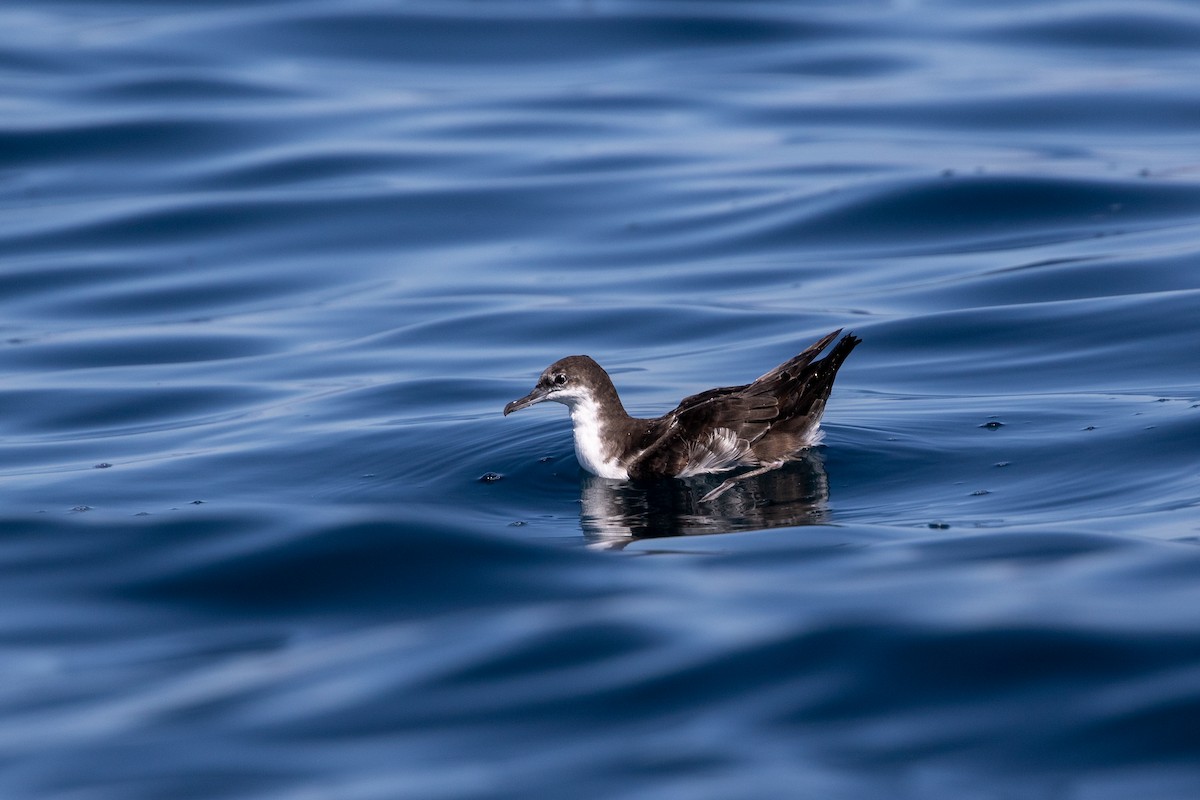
{"x":269,"y":273}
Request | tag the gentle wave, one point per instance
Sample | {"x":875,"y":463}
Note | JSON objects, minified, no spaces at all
{"x":269,"y":272}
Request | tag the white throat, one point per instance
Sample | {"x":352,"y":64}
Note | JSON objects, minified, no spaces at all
{"x":589,"y":438}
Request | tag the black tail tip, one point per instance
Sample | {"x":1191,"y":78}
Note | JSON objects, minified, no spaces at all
{"x":841,"y":350}
{"x":849,"y":342}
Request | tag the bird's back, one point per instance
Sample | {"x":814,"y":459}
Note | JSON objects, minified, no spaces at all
{"x":768,"y":421}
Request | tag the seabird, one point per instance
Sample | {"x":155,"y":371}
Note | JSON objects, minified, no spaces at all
{"x":763,"y":424}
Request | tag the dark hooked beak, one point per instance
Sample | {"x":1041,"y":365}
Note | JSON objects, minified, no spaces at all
{"x":536,"y":396}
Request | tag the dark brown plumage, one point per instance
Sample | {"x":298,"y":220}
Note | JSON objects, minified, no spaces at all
{"x":762,"y":424}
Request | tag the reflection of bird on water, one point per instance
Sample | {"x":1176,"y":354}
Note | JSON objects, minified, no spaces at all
{"x":614,"y":514}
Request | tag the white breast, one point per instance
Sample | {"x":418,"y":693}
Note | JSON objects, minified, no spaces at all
{"x":589,"y":444}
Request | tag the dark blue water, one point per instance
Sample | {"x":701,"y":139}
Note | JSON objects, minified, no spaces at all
{"x":269,"y":272}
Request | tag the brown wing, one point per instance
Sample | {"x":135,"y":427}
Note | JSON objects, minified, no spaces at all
{"x":710,"y":431}
{"x":793,"y":390}
{"x":764,"y":421}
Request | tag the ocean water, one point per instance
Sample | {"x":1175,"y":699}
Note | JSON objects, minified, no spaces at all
{"x":269,"y":272}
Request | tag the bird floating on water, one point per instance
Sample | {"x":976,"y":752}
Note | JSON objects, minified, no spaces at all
{"x":763,"y":424}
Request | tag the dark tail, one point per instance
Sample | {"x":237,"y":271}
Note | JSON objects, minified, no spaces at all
{"x":830,"y":364}
{"x":811,"y":387}
{"x":796,"y":364}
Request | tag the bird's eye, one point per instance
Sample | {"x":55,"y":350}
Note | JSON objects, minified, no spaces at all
{"x":560,"y":379}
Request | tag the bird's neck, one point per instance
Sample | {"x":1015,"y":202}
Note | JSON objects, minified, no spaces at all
{"x":602,"y":428}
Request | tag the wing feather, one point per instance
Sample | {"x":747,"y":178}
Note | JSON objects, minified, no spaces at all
{"x":767,"y":421}
{"x":720,"y":451}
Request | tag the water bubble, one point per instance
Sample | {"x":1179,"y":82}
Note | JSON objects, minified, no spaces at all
{"x":993,"y":425}
{"x":490,"y":477}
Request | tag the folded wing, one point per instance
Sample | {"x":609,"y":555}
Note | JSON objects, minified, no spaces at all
{"x":768,"y":421}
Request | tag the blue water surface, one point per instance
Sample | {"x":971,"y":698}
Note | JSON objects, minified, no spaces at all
{"x":270,"y":271}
